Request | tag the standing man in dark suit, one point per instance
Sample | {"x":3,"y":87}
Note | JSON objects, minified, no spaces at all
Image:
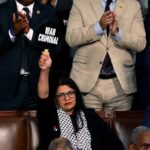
{"x":19,"y":53}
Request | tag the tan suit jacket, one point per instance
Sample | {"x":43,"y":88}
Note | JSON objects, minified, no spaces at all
{"x":92,"y":48}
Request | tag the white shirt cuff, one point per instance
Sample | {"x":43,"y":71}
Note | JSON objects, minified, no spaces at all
{"x":29,"y":35}
{"x":11,"y":36}
{"x":118,"y":36}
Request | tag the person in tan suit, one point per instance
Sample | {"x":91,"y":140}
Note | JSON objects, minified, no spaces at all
{"x":107,"y":35}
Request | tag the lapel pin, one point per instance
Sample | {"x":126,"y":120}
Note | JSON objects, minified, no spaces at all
{"x":38,"y":12}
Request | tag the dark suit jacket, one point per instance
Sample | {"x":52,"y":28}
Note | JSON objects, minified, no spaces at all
{"x":63,"y":7}
{"x":142,"y":96}
{"x":62,"y":62}
{"x":103,"y":138}
{"x":10,"y":52}
{"x":146,"y":121}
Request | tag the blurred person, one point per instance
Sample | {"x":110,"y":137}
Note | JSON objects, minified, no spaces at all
{"x":142,"y":67}
{"x":108,"y":34}
{"x":140,"y":138}
{"x":61,"y":113}
{"x":60,"y":144}
{"x":63,"y":8}
{"x":19,"y":51}
{"x":62,"y":62}
{"x":144,"y":5}
{"x":146,"y":121}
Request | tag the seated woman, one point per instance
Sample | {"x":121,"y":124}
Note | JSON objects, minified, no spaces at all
{"x":63,"y":114}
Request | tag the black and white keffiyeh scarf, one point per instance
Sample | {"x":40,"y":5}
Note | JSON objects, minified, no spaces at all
{"x":81,"y":140}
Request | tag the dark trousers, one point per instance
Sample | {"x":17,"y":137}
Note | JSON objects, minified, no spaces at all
{"x":23,"y":100}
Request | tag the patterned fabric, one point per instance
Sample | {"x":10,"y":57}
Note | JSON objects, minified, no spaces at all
{"x":26,"y":9}
{"x":107,"y":67}
{"x":81,"y":140}
{"x":108,"y":2}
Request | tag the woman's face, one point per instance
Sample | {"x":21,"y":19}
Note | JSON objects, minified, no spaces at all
{"x":66,"y":98}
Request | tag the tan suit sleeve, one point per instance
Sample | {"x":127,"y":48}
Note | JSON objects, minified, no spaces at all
{"x":133,"y":36}
{"x":78,"y":33}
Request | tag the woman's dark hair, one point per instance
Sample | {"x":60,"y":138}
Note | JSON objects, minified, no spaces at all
{"x":70,"y":83}
{"x":79,"y":100}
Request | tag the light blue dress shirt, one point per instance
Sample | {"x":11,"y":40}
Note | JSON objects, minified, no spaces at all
{"x":98,"y":28}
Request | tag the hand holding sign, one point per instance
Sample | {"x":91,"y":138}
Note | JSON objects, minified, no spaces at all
{"x":45,"y":61}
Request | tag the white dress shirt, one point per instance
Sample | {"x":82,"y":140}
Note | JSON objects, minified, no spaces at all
{"x":98,"y":28}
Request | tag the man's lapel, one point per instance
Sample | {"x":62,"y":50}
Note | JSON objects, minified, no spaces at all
{"x":36,"y":14}
{"x":12,"y":6}
{"x":97,"y":8}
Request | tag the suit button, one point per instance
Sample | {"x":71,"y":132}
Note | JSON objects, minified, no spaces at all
{"x":101,"y":62}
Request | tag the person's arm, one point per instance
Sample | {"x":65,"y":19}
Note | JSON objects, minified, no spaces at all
{"x":44,"y":1}
{"x":79,"y":31}
{"x":43,"y":83}
{"x":133,"y":35}
{"x":9,"y":32}
{"x":63,"y":5}
{"x":45,"y":105}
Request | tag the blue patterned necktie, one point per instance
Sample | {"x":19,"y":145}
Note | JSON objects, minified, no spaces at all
{"x":26,"y":9}
{"x":107,"y":67}
{"x":108,"y":2}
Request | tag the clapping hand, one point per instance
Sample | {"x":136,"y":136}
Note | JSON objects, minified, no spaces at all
{"x":114,"y":25}
{"x":20,"y":24}
{"x":106,"y":19}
